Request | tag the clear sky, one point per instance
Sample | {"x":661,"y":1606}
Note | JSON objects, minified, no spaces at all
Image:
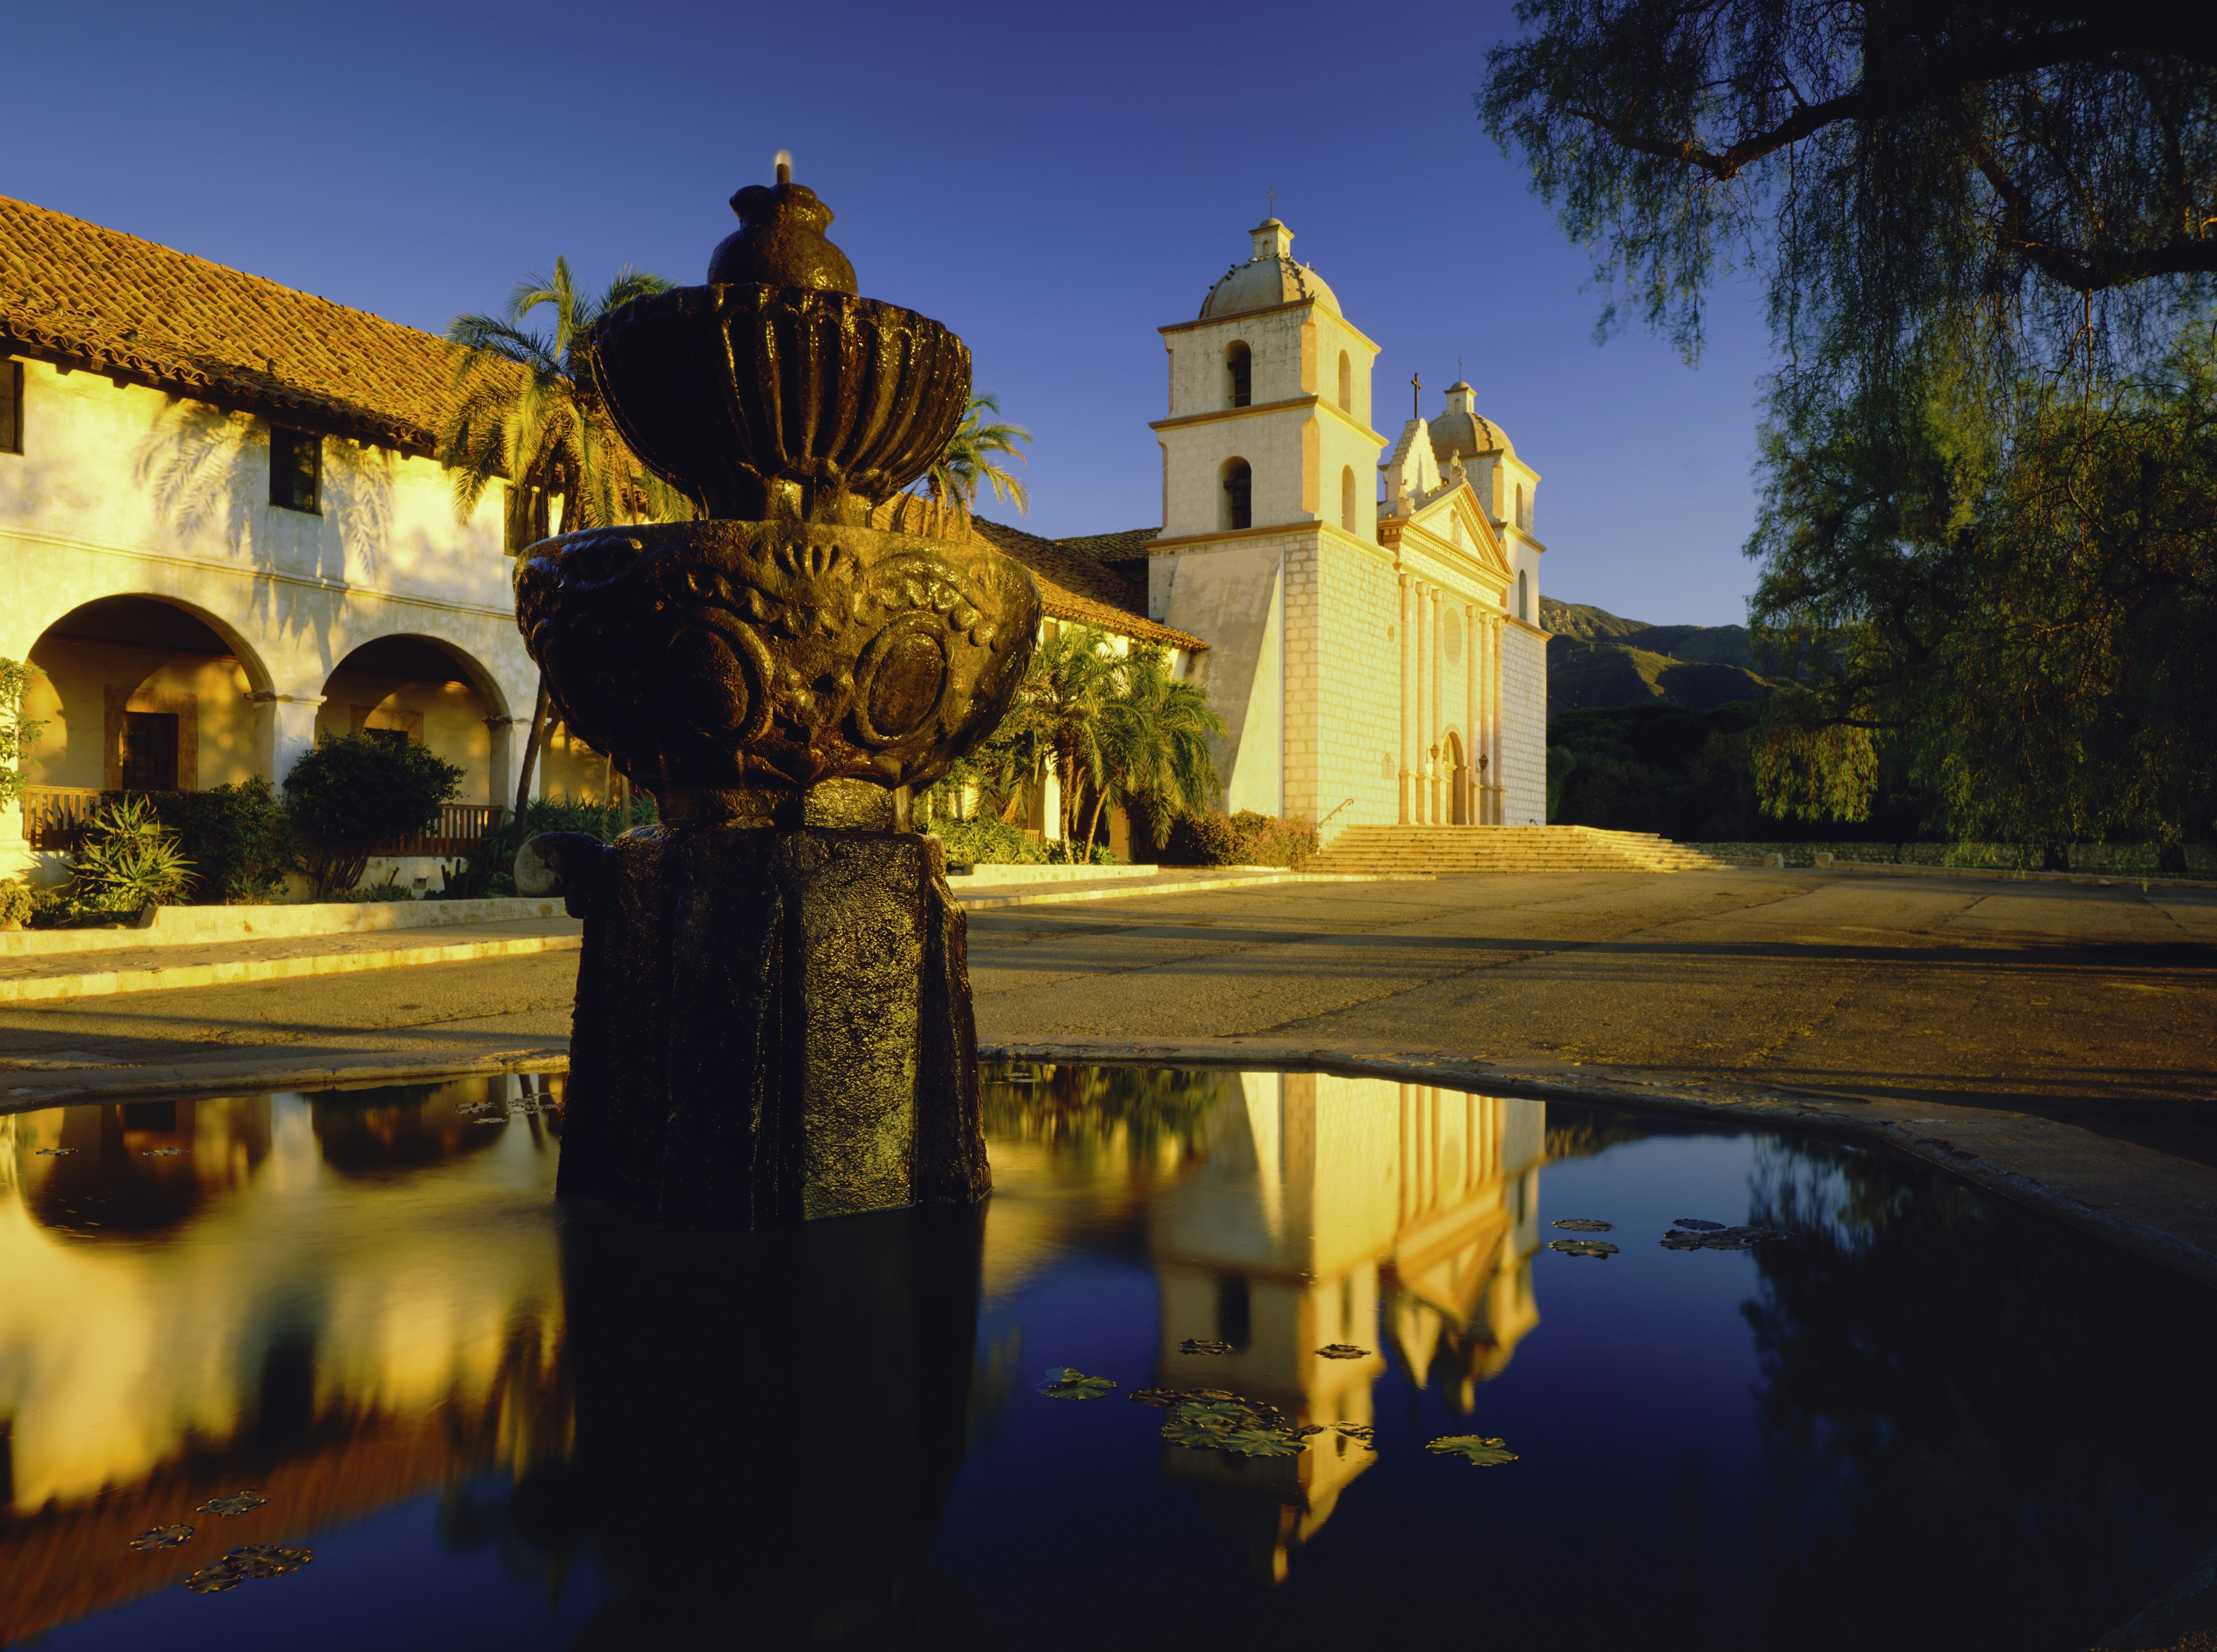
{"x":1052,"y":182}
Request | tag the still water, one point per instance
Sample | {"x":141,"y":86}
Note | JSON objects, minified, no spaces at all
{"x":1925,"y":1419}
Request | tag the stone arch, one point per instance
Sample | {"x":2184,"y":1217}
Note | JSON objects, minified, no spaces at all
{"x":1457,"y":760}
{"x":139,"y":690}
{"x":431,"y":690}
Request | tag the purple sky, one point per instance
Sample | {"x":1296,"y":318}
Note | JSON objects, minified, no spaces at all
{"x":1053,"y":182}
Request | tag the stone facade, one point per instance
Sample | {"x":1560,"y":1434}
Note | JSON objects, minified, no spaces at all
{"x":1373,"y":644}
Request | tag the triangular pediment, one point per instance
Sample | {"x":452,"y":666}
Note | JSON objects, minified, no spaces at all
{"x":1440,"y":516}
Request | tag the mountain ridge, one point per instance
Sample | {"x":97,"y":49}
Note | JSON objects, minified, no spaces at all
{"x":1599,"y":658}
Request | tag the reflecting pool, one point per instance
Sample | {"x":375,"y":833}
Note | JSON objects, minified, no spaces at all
{"x":1920,"y":1417}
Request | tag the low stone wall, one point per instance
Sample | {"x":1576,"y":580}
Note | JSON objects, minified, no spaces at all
{"x":192,"y":925}
{"x":990,"y":875}
{"x":2121,"y":860}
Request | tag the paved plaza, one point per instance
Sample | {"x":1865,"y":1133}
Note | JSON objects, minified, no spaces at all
{"x":2064,"y":1032}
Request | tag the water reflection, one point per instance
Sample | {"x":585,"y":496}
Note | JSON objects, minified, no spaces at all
{"x":351,"y":1301}
{"x":247,"y":1311}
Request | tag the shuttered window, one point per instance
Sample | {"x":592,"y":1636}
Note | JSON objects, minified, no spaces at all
{"x":11,"y":407}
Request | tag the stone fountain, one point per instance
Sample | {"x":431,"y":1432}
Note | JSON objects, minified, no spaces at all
{"x":773,"y":1017}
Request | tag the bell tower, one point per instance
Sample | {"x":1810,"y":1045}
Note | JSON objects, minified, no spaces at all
{"x":1269,"y":405}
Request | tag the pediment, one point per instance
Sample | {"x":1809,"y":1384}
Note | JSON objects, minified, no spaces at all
{"x":1438,"y":518}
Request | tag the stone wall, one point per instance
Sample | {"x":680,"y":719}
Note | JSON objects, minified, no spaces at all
{"x":1523,"y":725}
{"x":2125,"y":860}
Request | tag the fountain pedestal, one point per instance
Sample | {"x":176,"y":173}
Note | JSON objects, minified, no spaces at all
{"x":773,"y":1025}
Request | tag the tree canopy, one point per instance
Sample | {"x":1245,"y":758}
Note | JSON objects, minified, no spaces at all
{"x":1989,"y":237}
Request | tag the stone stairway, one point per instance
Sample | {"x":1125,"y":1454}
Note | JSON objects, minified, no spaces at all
{"x":1454,"y":852}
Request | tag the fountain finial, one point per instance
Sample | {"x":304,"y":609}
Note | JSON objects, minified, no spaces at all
{"x":780,"y":241}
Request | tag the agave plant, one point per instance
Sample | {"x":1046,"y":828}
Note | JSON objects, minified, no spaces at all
{"x":125,"y":860}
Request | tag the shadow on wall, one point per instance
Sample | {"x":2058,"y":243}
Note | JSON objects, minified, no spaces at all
{"x":206,"y":470}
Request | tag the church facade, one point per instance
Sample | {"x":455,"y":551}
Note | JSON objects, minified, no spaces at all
{"x":1371,"y":609}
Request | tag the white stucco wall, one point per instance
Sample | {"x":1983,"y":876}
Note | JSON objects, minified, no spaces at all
{"x":124,"y":491}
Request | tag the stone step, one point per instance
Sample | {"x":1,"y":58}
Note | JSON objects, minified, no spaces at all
{"x":1447,"y":850}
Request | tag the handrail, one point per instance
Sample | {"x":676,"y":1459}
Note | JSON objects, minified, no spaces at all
{"x":1319,"y":824}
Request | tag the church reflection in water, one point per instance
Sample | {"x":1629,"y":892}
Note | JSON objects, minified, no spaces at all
{"x":1394,"y":1217}
{"x":353,"y":1300}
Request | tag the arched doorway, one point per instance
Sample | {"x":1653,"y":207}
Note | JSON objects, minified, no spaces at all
{"x":137,"y":694}
{"x":1459,"y":772}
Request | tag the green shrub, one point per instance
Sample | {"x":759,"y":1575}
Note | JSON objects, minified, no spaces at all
{"x":125,"y":861}
{"x":387,"y":890}
{"x":1247,"y":839}
{"x":353,"y":792}
{"x":17,"y":903}
{"x":989,"y":840}
{"x":235,"y":836}
{"x":489,"y":870}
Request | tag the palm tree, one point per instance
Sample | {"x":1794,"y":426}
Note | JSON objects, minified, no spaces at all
{"x":967,"y":460}
{"x":1154,"y":739}
{"x":1056,"y":721}
{"x":522,"y":406}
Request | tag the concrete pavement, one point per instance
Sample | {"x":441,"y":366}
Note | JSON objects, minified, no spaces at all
{"x":2058,"y":1041}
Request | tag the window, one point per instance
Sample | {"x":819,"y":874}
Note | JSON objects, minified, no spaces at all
{"x":11,"y":407}
{"x":1238,"y":495}
{"x":149,"y":751}
{"x":1523,"y":516}
{"x":1346,"y":496}
{"x":1346,"y":384}
{"x":1238,"y":375}
{"x":296,"y":470}
{"x":1523,"y":597}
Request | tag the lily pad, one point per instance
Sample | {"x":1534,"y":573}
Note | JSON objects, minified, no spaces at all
{"x":160,"y":1536}
{"x":1342,"y":1351}
{"x":1061,"y":1383}
{"x":1361,"y":1433}
{"x":1586,"y":1225}
{"x":162,"y":1152}
{"x":238,"y":1503}
{"x":1697,"y":1224}
{"x":1262,"y":1442}
{"x":1216,"y":1414}
{"x":1474,"y":1449}
{"x":1203,"y":1345}
{"x":1195,"y":1437}
{"x":267,"y":1559}
{"x":1594,"y":1247}
{"x":255,"y":1559}
{"x":56,"y":1153}
{"x":1670,"y":1244}
{"x":1161,"y":1396}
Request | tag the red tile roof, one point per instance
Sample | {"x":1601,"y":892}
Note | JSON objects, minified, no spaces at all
{"x":76,"y":293}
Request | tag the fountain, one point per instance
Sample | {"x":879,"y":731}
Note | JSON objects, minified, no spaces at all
{"x":772,"y":1017}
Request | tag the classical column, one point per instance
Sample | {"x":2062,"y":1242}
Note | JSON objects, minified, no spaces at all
{"x":1407,"y":710}
{"x":500,"y":770}
{"x":284,"y":727}
{"x":1440,"y":816}
{"x":1493,"y":718}
{"x":1472,"y":718}
{"x":1423,"y":702}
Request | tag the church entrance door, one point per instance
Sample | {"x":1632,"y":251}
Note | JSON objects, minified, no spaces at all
{"x":1459,"y":811}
